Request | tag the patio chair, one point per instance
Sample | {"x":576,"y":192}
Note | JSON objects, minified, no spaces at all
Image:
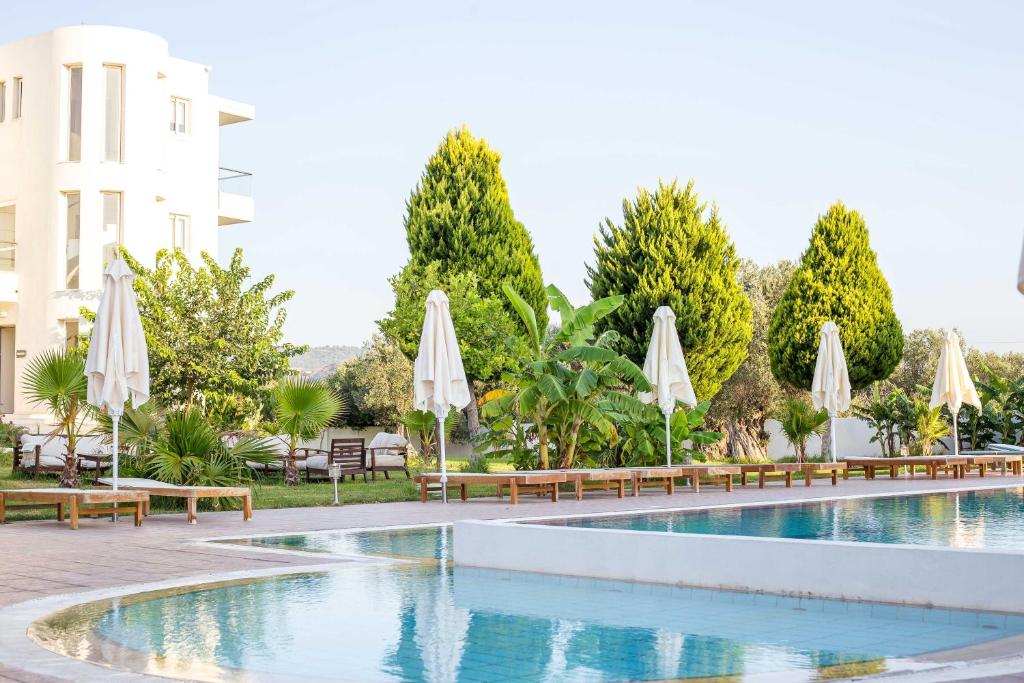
{"x":349,"y":453}
{"x":388,"y":453}
{"x":37,"y":454}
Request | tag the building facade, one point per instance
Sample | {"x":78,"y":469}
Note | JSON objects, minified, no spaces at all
{"x":104,"y":140}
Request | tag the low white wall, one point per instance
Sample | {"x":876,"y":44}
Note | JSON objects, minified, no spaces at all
{"x":853,"y":438}
{"x":913,"y":575}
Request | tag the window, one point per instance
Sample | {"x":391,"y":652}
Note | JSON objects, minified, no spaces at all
{"x":19,"y":94}
{"x":181,"y":113}
{"x":74,"y":113}
{"x":74,"y":232}
{"x":179,"y":231}
{"x":113,"y":147}
{"x":113,"y":232}
{"x":71,"y":334}
{"x":3,"y":100}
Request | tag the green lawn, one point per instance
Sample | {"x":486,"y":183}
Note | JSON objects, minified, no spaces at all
{"x":268,"y":492}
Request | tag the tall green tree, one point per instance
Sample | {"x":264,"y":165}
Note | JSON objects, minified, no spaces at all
{"x":838,"y":279}
{"x":460,"y":216}
{"x":209,"y":330}
{"x":376,"y":385}
{"x":672,"y":251}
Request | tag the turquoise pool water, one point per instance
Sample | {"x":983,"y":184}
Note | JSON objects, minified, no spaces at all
{"x":430,"y":622}
{"x":971,"y":519}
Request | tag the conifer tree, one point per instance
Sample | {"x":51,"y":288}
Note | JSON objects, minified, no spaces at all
{"x":837,"y":279}
{"x":672,"y":251}
{"x":460,"y":216}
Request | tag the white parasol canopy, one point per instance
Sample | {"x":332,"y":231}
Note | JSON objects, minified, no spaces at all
{"x":830,"y":388}
{"x":118,"y":364}
{"x":665,"y":369}
{"x":439,"y":381}
{"x":953,"y":385}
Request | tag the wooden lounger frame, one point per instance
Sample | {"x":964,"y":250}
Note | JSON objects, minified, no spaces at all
{"x":516,"y":482}
{"x":75,"y":502}
{"x":810,"y":471}
{"x":191,"y":494}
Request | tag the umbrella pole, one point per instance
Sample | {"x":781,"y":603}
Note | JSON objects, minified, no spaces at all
{"x":444,"y":465}
{"x":115,"y":418}
{"x":668,"y":439}
{"x":832,"y":441}
{"x":956,"y":438}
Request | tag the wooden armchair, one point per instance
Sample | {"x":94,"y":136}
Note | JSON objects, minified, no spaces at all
{"x":349,"y":453}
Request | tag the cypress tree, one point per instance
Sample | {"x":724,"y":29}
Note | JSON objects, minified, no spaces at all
{"x":672,"y":251}
{"x":838,"y":279}
{"x":460,"y":216}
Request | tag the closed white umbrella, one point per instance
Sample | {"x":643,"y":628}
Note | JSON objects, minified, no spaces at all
{"x":1020,"y":274}
{"x":953,"y":385}
{"x":665,"y":369}
{"x":118,"y":365}
{"x":439,"y":381}
{"x":830,"y":388}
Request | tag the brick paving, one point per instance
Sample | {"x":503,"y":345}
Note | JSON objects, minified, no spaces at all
{"x":44,"y":558}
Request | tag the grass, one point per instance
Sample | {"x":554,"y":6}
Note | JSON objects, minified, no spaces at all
{"x":268,"y":492}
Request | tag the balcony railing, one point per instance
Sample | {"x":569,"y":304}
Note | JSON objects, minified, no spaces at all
{"x":7,"y":257}
{"x":233,"y":181}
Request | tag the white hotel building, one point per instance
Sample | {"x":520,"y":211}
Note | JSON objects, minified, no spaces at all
{"x":105,"y":139}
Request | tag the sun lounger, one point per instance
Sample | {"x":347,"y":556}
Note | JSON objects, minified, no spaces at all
{"x":661,"y":477}
{"x":598,"y":479}
{"x":787,"y":469}
{"x":76,"y":502}
{"x":1007,"y":447}
{"x":718,"y":474}
{"x":931,"y":463}
{"x":517,"y":482}
{"x":984,"y":461}
{"x":191,"y":494}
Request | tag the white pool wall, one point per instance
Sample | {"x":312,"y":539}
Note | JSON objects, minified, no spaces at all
{"x":901,"y":574}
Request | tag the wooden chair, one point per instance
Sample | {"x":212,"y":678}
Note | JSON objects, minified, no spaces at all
{"x":389,"y":459}
{"x":349,"y":453}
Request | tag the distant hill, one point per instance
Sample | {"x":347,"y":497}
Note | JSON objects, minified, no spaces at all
{"x":321,"y":361}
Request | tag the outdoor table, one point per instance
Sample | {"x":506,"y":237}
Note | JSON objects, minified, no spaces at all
{"x":76,"y":502}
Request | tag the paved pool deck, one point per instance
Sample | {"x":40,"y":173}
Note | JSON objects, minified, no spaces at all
{"x":44,"y":559}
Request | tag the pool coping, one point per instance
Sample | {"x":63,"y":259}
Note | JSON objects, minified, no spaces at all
{"x":997,"y":657}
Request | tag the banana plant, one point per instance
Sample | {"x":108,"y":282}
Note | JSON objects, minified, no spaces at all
{"x":643,"y":441}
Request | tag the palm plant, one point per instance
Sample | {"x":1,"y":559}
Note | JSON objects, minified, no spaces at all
{"x":188,"y":451}
{"x":424,"y":425}
{"x":565,"y":377}
{"x":139,"y":430}
{"x":799,"y":422}
{"x":56,"y":379}
{"x":1003,"y":397}
{"x":930,"y":427}
{"x":303,"y":408}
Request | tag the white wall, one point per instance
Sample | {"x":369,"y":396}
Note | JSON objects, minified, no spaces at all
{"x":904,"y":574}
{"x":160,"y":173}
{"x":853,"y":438}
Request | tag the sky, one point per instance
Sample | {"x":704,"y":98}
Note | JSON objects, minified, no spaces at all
{"x":909,"y":112}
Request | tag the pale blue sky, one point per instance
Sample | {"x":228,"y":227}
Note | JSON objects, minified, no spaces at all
{"x":914,"y":115}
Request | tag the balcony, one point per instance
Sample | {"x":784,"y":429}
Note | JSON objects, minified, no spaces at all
{"x":234,"y":199}
{"x":8,"y":278}
{"x":230,"y":111}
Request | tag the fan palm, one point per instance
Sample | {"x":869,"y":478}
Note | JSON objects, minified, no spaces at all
{"x":56,"y":379}
{"x":799,"y":421}
{"x":302,"y":409}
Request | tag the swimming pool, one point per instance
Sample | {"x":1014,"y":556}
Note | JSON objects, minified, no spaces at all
{"x":992,"y":519}
{"x":428,"y":621}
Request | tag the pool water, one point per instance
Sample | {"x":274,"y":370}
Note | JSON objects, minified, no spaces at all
{"x":428,"y":621}
{"x":991,"y":519}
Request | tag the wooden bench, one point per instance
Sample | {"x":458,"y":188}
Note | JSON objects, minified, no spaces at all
{"x":931,"y":463}
{"x":601,"y":480}
{"x":661,"y":477}
{"x":787,"y":469}
{"x":191,"y":494}
{"x":76,"y":502}
{"x":983,"y":462}
{"x":545,"y":482}
{"x":717,"y":474}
